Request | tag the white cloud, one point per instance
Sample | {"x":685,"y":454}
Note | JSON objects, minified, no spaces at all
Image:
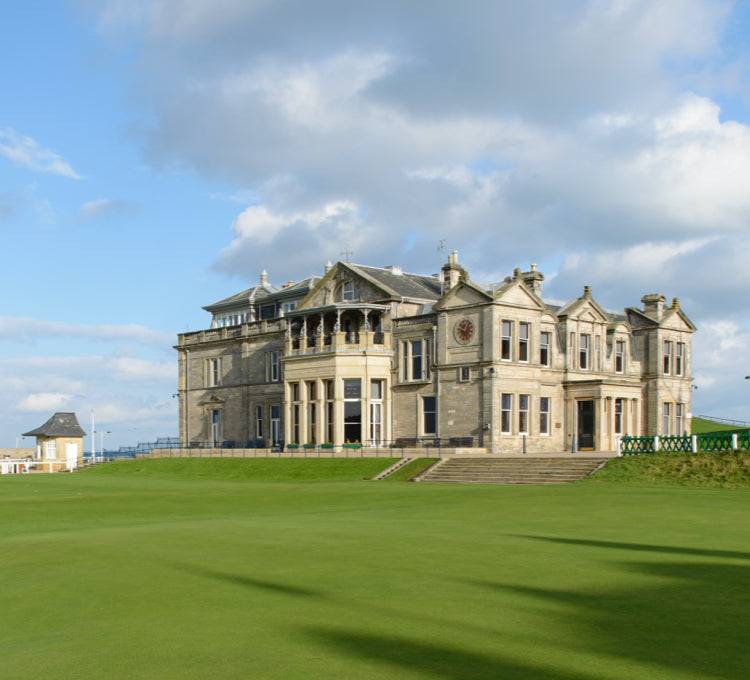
{"x":44,"y":401}
{"x":392,"y":125}
{"x":26,"y":152}
{"x":25,"y":328}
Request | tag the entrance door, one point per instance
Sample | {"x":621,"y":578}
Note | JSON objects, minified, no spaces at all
{"x":585,"y":425}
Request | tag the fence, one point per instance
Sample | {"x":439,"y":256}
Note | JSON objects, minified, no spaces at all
{"x":398,"y":448}
{"x":709,"y":442}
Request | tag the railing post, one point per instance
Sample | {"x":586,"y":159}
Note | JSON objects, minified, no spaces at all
{"x":694,"y":441}
{"x":734,"y":441}
{"x":656,"y":444}
{"x":619,"y":446}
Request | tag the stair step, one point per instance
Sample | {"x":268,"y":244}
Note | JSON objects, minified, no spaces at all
{"x":512,"y":470}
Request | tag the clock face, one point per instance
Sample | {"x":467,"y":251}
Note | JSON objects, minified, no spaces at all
{"x":464,"y":330}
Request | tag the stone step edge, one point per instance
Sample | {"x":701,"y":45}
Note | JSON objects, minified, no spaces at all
{"x":389,"y":471}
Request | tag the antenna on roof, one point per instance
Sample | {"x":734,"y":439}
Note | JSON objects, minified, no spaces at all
{"x":346,"y":252}
{"x":441,"y":248}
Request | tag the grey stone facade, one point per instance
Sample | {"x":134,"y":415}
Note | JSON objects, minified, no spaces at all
{"x":376,"y":355}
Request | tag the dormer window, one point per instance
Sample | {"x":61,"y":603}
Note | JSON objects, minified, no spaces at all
{"x":348,"y":292}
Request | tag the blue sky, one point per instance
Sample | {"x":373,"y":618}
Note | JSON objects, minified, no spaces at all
{"x":155,"y":156}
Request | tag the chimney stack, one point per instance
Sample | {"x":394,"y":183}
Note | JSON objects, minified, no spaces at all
{"x":653,"y":306}
{"x":533,"y":279}
{"x":452,"y":272}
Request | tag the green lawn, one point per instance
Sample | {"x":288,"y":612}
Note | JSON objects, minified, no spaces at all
{"x":701,"y":426}
{"x":138,"y":571}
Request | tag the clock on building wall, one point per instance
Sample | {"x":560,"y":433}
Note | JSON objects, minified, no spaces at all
{"x":465,"y":330}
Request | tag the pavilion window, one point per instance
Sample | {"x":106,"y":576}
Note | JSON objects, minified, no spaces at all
{"x":619,"y":356}
{"x":667,"y":357}
{"x":523,"y":342}
{"x":353,"y":410}
{"x":544,"y":348}
{"x":429,"y":416}
{"x":506,"y":340}
{"x":544,"y":415}
{"x":523,"y":413}
{"x":506,"y":410}
{"x":583,"y":352}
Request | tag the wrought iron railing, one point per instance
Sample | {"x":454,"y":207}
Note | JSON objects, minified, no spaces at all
{"x":709,"y":442}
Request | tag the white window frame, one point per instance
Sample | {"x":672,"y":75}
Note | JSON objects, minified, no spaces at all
{"x":259,"y":421}
{"x":349,"y":292}
{"x":584,"y":352}
{"x":273,"y":366}
{"x":524,"y":332}
{"x":619,"y":356}
{"x":545,"y":341}
{"x":376,"y":411}
{"x":666,"y":363}
{"x":524,"y":403}
{"x":544,"y":413}
{"x":506,"y":340}
{"x":679,"y":359}
{"x":50,"y":449}
{"x":408,"y":373}
{"x":678,"y":419}
{"x":275,"y":423}
{"x":506,"y":413}
{"x":618,"y":415}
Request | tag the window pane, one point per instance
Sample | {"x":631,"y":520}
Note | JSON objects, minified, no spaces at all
{"x":430,"y":416}
{"x":352,"y":388}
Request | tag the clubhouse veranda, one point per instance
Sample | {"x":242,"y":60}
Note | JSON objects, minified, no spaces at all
{"x":377,"y":356}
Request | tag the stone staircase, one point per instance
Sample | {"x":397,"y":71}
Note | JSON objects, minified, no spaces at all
{"x":525,"y":470}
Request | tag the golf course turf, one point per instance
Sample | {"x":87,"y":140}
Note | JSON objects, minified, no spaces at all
{"x":215,"y":569}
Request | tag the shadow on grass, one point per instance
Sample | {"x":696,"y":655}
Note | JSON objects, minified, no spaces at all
{"x":641,"y":547}
{"x":691,"y":616}
{"x":247,"y":581}
{"x":432,"y":660}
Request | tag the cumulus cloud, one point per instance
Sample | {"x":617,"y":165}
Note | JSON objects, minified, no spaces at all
{"x":44,"y":401}
{"x":584,"y":135}
{"x":131,"y":396}
{"x":26,"y":152}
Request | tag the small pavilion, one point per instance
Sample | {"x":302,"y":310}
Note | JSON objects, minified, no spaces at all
{"x":59,"y":443}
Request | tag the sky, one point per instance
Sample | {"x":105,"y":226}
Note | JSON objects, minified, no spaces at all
{"x":157,"y":155}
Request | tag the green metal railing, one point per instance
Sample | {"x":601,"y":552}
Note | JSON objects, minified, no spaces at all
{"x":709,"y":442}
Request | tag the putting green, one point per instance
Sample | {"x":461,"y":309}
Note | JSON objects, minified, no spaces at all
{"x":149,"y":576}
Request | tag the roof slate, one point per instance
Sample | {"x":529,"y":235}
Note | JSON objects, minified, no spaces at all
{"x":405,"y":285}
{"x":59,"y":425}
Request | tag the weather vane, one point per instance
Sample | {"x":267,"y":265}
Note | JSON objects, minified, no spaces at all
{"x":346,"y":252}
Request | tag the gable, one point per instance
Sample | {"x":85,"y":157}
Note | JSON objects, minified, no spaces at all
{"x":328,"y":290}
{"x":517,"y":294}
{"x":675,"y":319}
{"x":585,"y":309}
{"x":463,"y":294}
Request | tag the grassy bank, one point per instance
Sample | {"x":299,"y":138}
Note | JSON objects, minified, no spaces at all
{"x":729,"y":469}
{"x":258,"y":469}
